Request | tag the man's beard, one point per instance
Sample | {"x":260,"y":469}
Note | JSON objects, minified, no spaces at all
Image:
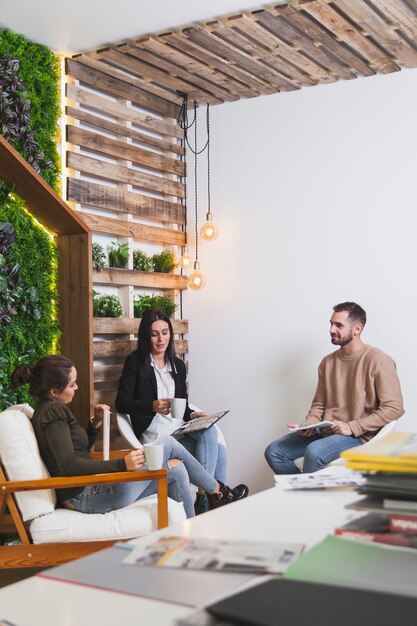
{"x":341,"y":342}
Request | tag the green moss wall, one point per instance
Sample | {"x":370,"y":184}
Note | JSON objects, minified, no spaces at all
{"x":33,"y":330}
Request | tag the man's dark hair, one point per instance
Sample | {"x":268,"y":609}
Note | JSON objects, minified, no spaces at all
{"x":356,"y":312}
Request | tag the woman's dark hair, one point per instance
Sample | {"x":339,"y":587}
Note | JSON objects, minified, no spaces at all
{"x":144,"y":341}
{"x":50,"y":372}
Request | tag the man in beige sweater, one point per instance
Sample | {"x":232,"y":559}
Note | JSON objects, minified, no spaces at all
{"x":358,"y":391}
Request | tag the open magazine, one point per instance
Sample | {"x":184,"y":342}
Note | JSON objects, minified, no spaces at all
{"x":319,"y":425}
{"x":199,"y":423}
{"x":214,"y":554}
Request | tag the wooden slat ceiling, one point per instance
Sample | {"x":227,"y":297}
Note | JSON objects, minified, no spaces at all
{"x":269,"y":50}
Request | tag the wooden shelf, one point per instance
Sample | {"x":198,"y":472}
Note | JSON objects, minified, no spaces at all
{"x":155,"y":280}
{"x":122,"y":348}
{"x":129,"y":325}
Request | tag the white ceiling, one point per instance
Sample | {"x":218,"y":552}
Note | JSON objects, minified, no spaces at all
{"x":82,"y":25}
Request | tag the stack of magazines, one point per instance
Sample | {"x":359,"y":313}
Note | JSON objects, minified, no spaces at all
{"x":389,"y":467}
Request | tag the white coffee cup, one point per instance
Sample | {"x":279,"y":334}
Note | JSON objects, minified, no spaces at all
{"x":154,"y":455}
{"x":178,"y":408}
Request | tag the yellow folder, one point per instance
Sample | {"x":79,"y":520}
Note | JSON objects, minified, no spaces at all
{"x":396,"y":452}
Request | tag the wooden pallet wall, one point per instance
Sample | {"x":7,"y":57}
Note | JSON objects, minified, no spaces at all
{"x":279,"y":48}
{"x":125,"y":173}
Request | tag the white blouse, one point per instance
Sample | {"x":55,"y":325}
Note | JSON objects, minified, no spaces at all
{"x":162,"y":425}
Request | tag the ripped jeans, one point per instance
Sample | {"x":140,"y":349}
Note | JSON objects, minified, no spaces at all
{"x":105,"y":498}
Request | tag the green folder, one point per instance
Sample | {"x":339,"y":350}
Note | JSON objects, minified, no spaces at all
{"x":358,"y":564}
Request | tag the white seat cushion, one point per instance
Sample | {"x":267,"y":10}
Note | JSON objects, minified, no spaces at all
{"x":20,"y":456}
{"x":137,"y":519}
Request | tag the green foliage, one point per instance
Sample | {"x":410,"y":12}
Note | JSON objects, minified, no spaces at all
{"x":161,"y":303}
{"x":99,"y":257}
{"x":9,"y":274}
{"x":39,"y":71}
{"x":119,"y":255}
{"x":105,"y":305}
{"x":9,"y":538}
{"x":33,"y":330}
{"x":164,"y":261}
{"x":15,"y":114}
{"x":142,"y":262}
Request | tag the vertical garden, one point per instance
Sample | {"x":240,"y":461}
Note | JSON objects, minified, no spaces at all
{"x":29,"y":113}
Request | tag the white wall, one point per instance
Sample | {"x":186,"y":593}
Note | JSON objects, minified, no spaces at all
{"x":315,"y":195}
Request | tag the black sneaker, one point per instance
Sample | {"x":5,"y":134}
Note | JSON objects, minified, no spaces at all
{"x":227,"y":495}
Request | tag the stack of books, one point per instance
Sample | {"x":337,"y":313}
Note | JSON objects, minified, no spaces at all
{"x":389,"y":467}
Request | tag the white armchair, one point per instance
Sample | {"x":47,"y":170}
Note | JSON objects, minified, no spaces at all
{"x":27,"y":490}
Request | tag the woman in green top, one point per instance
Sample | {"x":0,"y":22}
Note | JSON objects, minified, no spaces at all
{"x":64,"y":446}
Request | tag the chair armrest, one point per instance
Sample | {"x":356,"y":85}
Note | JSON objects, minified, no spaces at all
{"x":59,"y":482}
{"x":114,"y":454}
{"x":12,"y":486}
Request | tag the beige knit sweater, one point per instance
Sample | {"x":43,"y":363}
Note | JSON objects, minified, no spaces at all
{"x":362,"y":389}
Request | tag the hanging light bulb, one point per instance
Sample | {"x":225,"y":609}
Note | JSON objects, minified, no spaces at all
{"x":209,"y":230}
{"x":185,"y":259}
{"x":196,"y":280}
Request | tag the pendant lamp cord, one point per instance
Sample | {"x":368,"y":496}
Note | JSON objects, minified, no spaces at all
{"x":183,"y":123}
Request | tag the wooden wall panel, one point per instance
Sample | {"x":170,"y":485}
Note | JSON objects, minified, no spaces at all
{"x":153,"y":234}
{"x":126,"y":167}
{"x":113,"y":199}
{"x":75,"y":315}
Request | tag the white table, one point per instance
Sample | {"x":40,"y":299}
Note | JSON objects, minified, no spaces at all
{"x":272,"y":515}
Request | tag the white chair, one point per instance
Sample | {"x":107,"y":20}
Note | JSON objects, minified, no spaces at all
{"x":129,"y":438}
{"x":52,"y":535}
{"x":381,"y":433}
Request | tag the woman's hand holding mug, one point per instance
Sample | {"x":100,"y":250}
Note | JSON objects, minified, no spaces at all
{"x":135,"y":460}
{"x":163,"y":406}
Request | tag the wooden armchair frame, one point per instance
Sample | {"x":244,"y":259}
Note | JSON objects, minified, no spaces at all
{"x":29,"y":554}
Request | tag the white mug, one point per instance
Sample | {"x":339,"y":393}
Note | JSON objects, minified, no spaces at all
{"x":178,"y":408}
{"x":154,"y":455}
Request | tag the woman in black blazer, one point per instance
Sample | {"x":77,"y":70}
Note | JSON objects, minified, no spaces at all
{"x":151,"y":376}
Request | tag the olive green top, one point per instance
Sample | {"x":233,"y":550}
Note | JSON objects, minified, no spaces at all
{"x":64,"y":446}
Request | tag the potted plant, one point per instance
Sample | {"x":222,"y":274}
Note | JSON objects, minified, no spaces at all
{"x":162,"y":303}
{"x":119,"y":255}
{"x":141,"y":261}
{"x":105,"y":305}
{"x":164,"y":262}
{"x":98,"y":256}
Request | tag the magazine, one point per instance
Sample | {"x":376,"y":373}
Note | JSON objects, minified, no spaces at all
{"x":336,"y":476}
{"x":212,"y":554}
{"x":198,"y":423}
{"x":316,"y":425}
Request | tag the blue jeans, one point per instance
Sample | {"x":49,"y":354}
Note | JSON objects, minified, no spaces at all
{"x":318,"y":451}
{"x":105,"y":498}
{"x":204,"y":446}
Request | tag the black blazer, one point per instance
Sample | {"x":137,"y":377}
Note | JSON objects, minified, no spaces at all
{"x":136,"y":398}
